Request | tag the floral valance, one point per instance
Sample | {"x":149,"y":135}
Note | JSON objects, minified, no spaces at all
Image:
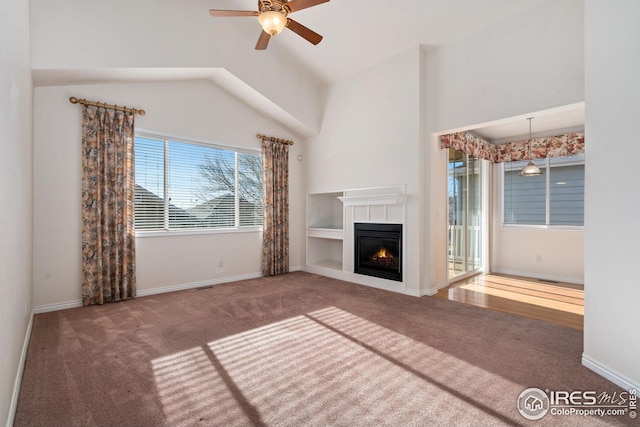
{"x":570,"y":144}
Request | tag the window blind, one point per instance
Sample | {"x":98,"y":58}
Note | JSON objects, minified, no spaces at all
{"x":524,"y":196}
{"x":566,"y":193}
{"x":149,"y":184}
{"x":200,"y":187}
{"x":554,"y":198}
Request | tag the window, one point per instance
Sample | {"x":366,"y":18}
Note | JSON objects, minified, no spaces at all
{"x":555,"y":198}
{"x":465,"y":231}
{"x":187,"y":185}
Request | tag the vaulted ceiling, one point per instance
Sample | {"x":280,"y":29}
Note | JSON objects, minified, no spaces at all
{"x":182,"y":41}
{"x":360,"y":33}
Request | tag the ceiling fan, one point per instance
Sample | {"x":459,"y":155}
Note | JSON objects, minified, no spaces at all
{"x":273,"y":17}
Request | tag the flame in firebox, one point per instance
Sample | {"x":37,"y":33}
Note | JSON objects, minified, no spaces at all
{"x":382,"y":254}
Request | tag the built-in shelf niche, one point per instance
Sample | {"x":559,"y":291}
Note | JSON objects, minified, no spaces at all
{"x":324,"y":211}
{"x":330,"y":217}
{"x":325,"y":230}
{"x":325,"y":253}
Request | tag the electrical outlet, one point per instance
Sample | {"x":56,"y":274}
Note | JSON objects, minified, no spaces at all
{"x":220,"y":267}
{"x":539,"y":258}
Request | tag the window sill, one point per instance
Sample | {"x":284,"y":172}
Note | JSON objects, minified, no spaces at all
{"x":541,"y":227}
{"x":171,"y":233}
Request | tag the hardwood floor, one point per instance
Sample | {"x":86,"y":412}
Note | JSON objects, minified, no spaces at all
{"x":559,"y":303}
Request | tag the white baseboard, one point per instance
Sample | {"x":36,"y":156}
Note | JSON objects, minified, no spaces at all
{"x":153,"y":291}
{"x":58,"y":306}
{"x":413,"y":292}
{"x":432,"y":291}
{"x":359,"y":279}
{"x":426,"y":292}
{"x":18,"y":380}
{"x":609,"y":374}
{"x":535,"y":275}
{"x":192,"y":285}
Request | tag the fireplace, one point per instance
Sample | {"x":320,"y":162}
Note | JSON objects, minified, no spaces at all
{"x":378,"y":250}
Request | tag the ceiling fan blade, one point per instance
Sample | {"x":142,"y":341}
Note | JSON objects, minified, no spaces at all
{"x":295,"y":5}
{"x":263,"y":40}
{"x":218,"y":12}
{"x":304,"y":32}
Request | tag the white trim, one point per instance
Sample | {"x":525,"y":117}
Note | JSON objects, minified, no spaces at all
{"x":575,"y":280}
{"x":58,"y":306}
{"x":18,"y":380}
{"x":608,"y":373}
{"x":326,"y":233}
{"x":358,"y":279}
{"x":485,"y":175}
{"x":426,"y":292}
{"x":141,"y":234}
{"x":547,"y":166}
{"x":432,"y":291}
{"x":158,"y":290}
{"x":159,"y":135}
{"x":373,"y":199}
{"x":413,"y":292}
{"x":192,"y":285}
{"x":539,"y":227}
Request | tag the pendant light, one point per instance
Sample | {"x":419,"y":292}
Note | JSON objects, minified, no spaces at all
{"x":530,"y":169}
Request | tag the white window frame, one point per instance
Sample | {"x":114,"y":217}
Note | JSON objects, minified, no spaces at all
{"x":144,"y":133}
{"x":547,"y":226}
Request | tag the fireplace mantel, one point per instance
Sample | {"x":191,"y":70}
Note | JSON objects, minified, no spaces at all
{"x":373,"y":199}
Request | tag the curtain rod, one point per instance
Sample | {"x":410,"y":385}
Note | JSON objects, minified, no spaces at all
{"x":75,"y":100}
{"x":272,"y":139}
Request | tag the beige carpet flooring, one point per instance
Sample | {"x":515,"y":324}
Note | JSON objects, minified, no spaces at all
{"x":295,"y":350}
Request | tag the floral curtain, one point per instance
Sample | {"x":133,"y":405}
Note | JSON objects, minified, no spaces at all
{"x":108,"y":238}
{"x":570,"y":144}
{"x":275,"y":244}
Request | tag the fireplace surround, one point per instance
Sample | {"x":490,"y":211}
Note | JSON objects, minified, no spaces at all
{"x":378,"y":250}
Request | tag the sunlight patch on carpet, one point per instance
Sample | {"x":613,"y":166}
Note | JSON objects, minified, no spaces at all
{"x":327,"y":367}
{"x":190,"y":389}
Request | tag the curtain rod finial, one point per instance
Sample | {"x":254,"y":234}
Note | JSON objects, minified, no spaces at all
{"x":273,"y":139}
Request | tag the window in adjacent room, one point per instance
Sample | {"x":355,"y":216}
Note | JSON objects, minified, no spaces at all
{"x":555,"y":198}
{"x":188,"y":185}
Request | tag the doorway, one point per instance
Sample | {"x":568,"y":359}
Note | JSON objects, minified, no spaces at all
{"x":465,"y":215}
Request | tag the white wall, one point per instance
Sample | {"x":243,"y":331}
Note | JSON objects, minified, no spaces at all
{"x":370,"y":137}
{"x":15,"y":198}
{"x":612,"y":243}
{"x":89,"y":35}
{"x":514,"y":250}
{"x":195,"y":109}
{"x":530,"y":62}
{"x":434,"y":182}
{"x":496,"y":73}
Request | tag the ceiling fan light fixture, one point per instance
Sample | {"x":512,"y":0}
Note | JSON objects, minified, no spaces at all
{"x":272,"y":22}
{"x":273,"y":18}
